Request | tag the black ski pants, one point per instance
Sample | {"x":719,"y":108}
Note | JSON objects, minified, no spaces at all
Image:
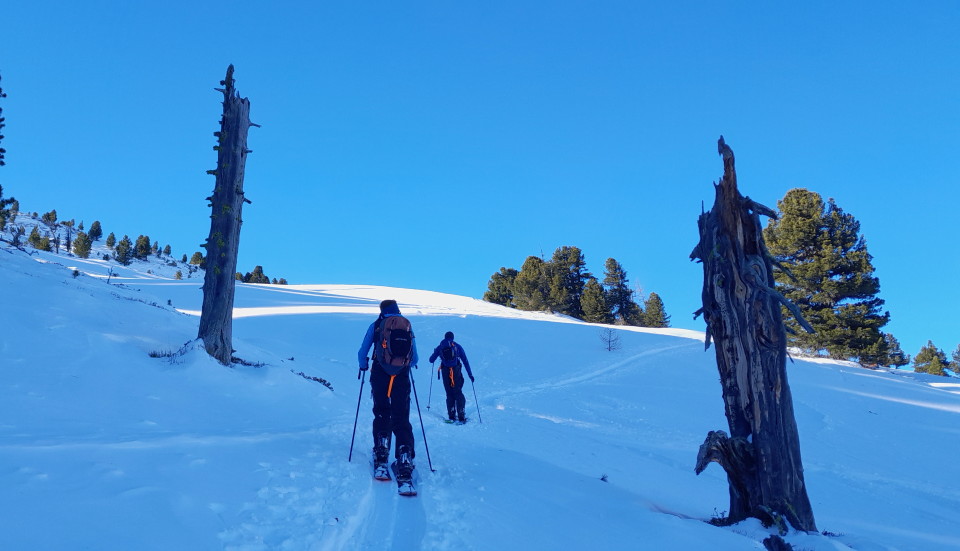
{"x":453,"y":384}
{"x":391,"y":408}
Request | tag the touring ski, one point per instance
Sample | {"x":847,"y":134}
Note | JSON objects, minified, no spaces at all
{"x":381,"y":472}
{"x":404,"y":485}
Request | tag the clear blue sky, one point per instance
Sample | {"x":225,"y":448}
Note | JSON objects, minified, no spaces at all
{"x":479,"y":133}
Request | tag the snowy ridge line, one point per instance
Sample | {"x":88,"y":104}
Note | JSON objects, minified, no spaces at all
{"x":163,"y":442}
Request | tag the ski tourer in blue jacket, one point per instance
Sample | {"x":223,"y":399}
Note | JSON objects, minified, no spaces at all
{"x":390,"y":388}
{"x":452,"y":357}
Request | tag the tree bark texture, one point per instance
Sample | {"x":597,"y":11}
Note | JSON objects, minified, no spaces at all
{"x":761,"y":455}
{"x":223,"y":243}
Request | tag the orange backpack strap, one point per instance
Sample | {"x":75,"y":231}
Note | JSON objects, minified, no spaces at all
{"x":390,"y":386}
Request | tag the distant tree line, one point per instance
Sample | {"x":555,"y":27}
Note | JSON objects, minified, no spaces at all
{"x":563,"y":285}
{"x":53,"y":235}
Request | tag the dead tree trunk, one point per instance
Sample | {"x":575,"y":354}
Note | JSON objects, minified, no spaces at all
{"x":223,"y":243}
{"x":742,"y":310}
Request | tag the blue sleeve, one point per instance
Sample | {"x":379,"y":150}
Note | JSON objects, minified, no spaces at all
{"x":466,"y":362}
{"x":435,"y":355}
{"x":365,"y":347}
{"x":416,"y":357}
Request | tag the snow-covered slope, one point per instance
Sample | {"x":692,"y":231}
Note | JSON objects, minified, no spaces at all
{"x":104,"y":447}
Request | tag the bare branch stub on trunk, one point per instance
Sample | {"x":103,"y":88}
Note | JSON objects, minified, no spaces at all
{"x":223,"y":243}
{"x":742,"y":309}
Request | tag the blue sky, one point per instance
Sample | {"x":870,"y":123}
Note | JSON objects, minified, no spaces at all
{"x":476,"y":134}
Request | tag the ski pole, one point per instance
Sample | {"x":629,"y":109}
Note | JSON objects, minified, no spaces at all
{"x":362,"y":375}
{"x":430,"y":395}
{"x":422,"y":430}
{"x":475,"y":400}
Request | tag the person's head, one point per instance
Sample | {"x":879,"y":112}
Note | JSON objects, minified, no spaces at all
{"x":448,"y":335}
{"x":389,"y":307}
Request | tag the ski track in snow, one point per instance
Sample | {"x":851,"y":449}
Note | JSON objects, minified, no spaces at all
{"x":580,"y":378}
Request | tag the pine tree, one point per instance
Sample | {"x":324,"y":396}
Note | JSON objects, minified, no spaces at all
{"x":6,"y":213}
{"x":111,"y":240}
{"x":257,"y":276}
{"x":500,"y":287}
{"x":829,"y":276}
{"x":619,"y":295}
{"x":593,"y":304}
{"x":167,"y":251}
{"x":49,"y":218}
{"x":142,"y":247}
{"x":567,"y":275}
{"x":197,"y":259}
{"x":96,"y":232}
{"x":81,"y":245}
{"x":894,"y":354}
{"x":654,"y":314}
{"x":178,"y":275}
{"x":38,"y":241}
{"x":931,"y":360}
{"x":530,"y":286}
{"x":124,"y":251}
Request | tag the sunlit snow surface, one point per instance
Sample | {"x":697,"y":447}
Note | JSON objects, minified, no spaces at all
{"x":106,"y":447}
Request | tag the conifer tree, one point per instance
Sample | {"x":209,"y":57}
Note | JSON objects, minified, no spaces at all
{"x":38,"y":241}
{"x":167,"y":250}
{"x":257,"y":276}
{"x":197,"y":258}
{"x":956,"y":361}
{"x":893,"y":353}
{"x":142,"y":247}
{"x":124,"y":251}
{"x":654,"y":314}
{"x":6,"y":212}
{"x":500,"y":287}
{"x":593,"y":304}
{"x":49,"y":218}
{"x":828,"y":274}
{"x":111,"y":240}
{"x":619,"y":295}
{"x":96,"y":232}
{"x":567,"y":275}
{"x":530,"y":291}
{"x":81,"y":245}
{"x":931,"y":360}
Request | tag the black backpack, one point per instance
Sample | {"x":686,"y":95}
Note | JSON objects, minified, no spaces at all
{"x":393,"y":345}
{"x":448,"y":355}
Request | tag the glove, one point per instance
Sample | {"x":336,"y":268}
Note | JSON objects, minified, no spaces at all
{"x":471,"y":378}
{"x":365,"y":365}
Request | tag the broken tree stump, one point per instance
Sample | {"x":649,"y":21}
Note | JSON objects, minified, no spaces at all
{"x":223,"y":243}
{"x":761,"y":456}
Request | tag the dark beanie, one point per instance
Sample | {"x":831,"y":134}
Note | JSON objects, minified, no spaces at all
{"x":448,"y":335}
{"x":389,"y":307}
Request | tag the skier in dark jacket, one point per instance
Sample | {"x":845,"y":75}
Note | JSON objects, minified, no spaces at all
{"x":390,"y":388}
{"x":452,"y":356}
